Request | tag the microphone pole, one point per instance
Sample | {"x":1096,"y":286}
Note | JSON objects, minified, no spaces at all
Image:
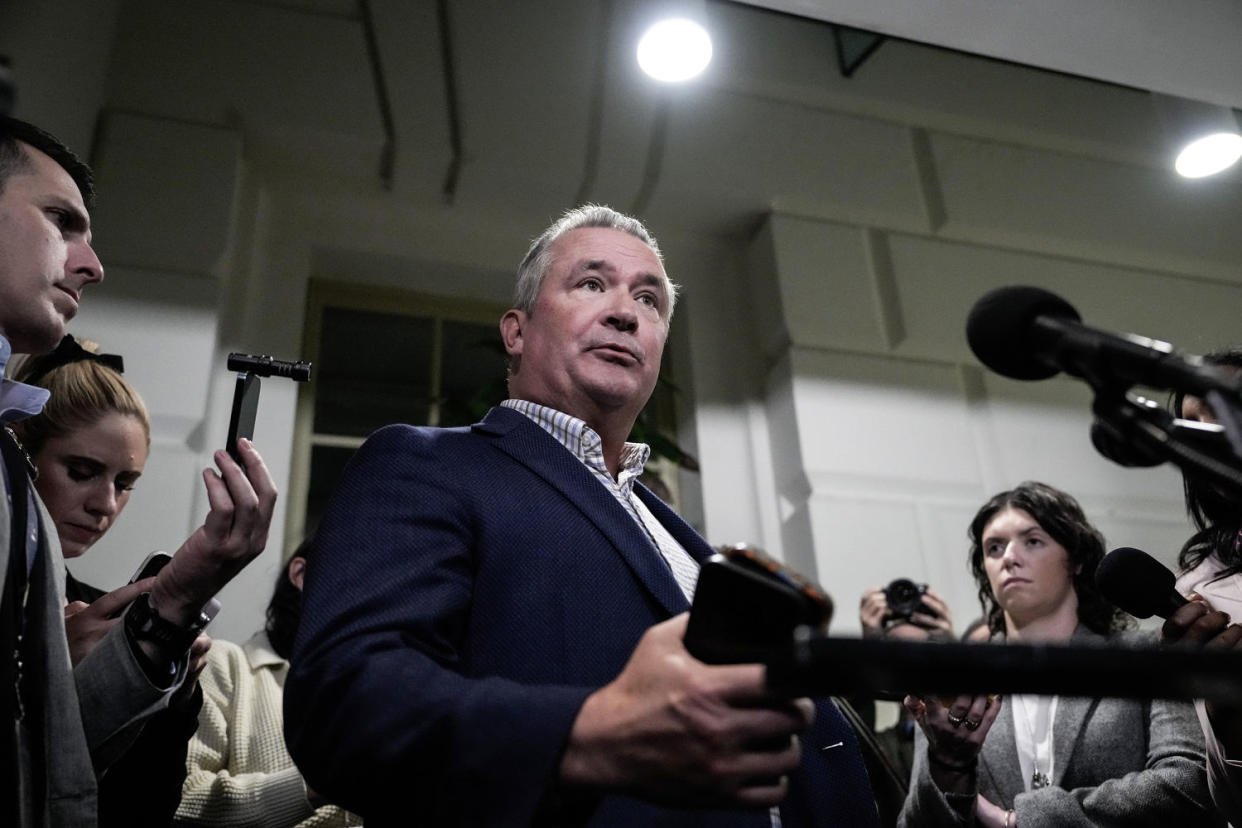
{"x":1028,"y":333}
{"x":1138,"y":432}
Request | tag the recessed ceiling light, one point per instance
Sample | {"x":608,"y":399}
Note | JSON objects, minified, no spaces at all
{"x":1209,"y":155}
{"x":675,"y":50}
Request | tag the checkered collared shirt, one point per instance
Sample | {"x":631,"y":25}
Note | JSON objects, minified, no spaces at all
{"x":585,"y":443}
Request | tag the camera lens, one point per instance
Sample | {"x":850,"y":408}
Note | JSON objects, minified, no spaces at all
{"x":903,"y":597}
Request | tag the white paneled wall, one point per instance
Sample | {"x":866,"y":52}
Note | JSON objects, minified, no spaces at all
{"x":885,"y":437}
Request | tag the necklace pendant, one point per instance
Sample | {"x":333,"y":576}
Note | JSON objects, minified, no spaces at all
{"x":1039,"y":779}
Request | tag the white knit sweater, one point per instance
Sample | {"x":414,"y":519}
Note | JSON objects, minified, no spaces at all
{"x":239,"y":771}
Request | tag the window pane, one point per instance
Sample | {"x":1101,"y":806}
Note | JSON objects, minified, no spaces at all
{"x":472,"y":377}
{"x":374,"y":369}
{"x":327,"y":464}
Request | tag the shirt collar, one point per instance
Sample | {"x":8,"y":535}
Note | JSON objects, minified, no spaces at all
{"x":584,"y":442}
{"x":259,"y":652}
{"x":17,"y":399}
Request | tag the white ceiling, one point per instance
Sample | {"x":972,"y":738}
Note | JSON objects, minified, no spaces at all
{"x":511,"y":110}
{"x":1186,"y":48}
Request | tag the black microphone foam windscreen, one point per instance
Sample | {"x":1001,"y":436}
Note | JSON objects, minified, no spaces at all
{"x":1138,"y":583}
{"x":1000,"y":326}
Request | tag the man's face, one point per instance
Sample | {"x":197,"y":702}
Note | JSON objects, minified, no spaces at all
{"x":595,"y":338}
{"x":45,"y":254}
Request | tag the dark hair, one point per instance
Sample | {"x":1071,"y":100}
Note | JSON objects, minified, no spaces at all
{"x":14,"y":159}
{"x":1058,"y":514}
{"x":1216,"y":514}
{"x":284,"y":611}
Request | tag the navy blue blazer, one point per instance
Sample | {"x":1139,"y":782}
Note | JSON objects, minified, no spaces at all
{"x":469,"y":588}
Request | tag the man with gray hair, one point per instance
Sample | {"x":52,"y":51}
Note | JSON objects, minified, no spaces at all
{"x":492,"y":631}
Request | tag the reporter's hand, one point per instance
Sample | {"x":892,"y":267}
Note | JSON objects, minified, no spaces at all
{"x":990,"y":815}
{"x":198,"y":661}
{"x":955,"y":734}
{"x":87,"y":624}
{"x":872,"y":612}
{"x":940,"y":620}
{"x":676,"y":731}
{"x":1196,"y":624}
{"x":233,"y":534}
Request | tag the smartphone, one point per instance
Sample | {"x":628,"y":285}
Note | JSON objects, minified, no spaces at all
{"x":245,"y":406}
{"x":150,"y":566}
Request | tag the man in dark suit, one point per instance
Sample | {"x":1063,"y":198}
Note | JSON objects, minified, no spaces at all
{"x":492,"y":628}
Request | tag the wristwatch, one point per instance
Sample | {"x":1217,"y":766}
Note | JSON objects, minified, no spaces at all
{"x":145,"y":624}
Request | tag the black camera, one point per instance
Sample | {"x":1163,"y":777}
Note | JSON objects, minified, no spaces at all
{"x":905,"y":598}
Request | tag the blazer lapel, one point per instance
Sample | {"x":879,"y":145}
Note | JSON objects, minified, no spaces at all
{"x":998,"y":761}
{"x":1072,"y":715}
{"x":681,"y":531}
{"x":526,"y":442}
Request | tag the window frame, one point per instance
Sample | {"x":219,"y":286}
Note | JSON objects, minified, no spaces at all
{"x":328,"y":293}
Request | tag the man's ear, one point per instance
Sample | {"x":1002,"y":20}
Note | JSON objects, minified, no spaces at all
{"x":297,"y":571}
{"x":511,"y":325}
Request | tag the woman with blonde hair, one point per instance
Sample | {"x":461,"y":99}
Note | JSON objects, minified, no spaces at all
{"x":89,"y":446}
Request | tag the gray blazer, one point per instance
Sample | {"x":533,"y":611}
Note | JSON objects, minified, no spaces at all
{"x":91,"y":712}
{"x":1116,"y":762}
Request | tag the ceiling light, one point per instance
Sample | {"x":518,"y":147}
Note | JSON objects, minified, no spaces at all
{"x":1203,"y":138}
{"x":1209,"y":155}
{"x":675,"y":50}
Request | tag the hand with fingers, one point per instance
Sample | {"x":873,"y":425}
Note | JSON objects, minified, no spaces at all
{"x":990,"y":815}
{"x":1196,"y":624}
{"x":198,"y":661}
{"x":676,"y":731}
{"x":87,"y":624}
{"x":234,"y":533}
{"x":956,"y":729}
{"x":939,"y":621}
{"x":873,"y":612}
{"x":932,"y":614}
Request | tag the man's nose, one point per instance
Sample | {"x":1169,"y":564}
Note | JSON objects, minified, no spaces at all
{"x":84,"y":262}
{"x":622,"y":317}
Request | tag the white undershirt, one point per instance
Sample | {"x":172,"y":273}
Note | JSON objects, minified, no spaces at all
{"x":1032,"y":734}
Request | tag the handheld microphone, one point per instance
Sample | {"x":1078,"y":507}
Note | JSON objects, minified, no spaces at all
{"x":1138,"y":583}
{"x":1028,"y":333}
{"x":265,"y":366}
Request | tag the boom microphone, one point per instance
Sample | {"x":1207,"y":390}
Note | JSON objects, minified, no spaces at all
{"x":1138,"y":583}
{"x":1028,"y":333}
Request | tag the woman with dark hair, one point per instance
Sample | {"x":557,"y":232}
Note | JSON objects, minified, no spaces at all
{"x":1213,"y":510}
{"x":1050,"y":760}
{"x":1211,"y":576}
{"x":240,"y":773}
{"x":1060,"y":517}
